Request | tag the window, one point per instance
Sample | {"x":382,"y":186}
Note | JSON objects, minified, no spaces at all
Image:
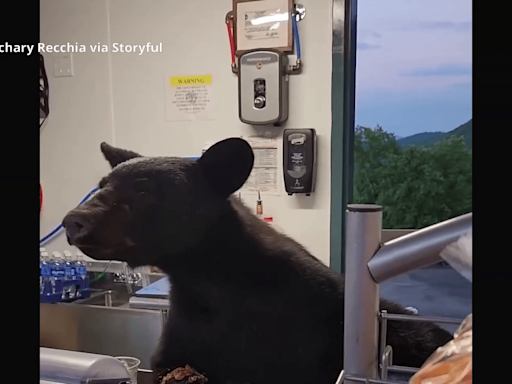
{"x":413,"y":136}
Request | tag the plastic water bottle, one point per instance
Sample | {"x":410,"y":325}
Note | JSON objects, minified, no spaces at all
{"x":70,"y":274}
{"x":41,"y":251}
{"x":81,"y":266}
{"x":58,"y":273}
{"x":41,"y":285}
{"x":81,"y":271}
{"x":70,"y":266}
{"x":47,"y":285}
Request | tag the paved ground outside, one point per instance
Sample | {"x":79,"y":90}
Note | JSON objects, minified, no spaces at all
{"x":434,"y":291}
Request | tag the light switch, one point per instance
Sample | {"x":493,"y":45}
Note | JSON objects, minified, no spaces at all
{"x":63,"y":65}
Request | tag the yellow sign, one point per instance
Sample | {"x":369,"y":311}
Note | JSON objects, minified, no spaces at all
{"x":190,"y":81}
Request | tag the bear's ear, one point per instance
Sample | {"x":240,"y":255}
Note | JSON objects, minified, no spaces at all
{"x":116,"y":156}
{"x":227,"y":164}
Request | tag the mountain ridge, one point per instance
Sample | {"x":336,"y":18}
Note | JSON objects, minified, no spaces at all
{"x":429,"y":139}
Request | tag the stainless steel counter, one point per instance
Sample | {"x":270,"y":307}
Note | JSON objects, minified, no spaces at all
{"x":102,"y":324}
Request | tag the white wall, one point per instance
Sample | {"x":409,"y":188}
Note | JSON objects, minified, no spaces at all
{"x":120,"y":98}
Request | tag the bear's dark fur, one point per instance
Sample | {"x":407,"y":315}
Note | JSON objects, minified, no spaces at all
{"x":247,"y":304}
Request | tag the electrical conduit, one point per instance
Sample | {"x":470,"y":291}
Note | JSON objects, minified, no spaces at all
{"x":296,"y":35}
{"x":57,"y":230}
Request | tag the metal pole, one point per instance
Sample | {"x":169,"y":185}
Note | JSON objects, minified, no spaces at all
{"x":418,"y":249}
{"x":364,"y":228}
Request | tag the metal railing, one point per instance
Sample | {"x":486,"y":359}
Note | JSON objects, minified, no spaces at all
{"x":368,"y":263}
{"x":385,"y":351}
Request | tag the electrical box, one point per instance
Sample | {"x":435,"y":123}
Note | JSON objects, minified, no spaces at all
{"x":299,"y":160}
{"x":263,"y":87}
{"x":63,"y":64}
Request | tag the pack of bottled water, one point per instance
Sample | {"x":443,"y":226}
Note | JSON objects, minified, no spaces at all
{"x":62,"y":277}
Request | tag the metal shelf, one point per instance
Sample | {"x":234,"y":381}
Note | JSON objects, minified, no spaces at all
{"x":99,"y":266}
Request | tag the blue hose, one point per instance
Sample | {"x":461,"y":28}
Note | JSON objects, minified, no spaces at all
{"x":60,"y":227}
{"x":296,"y":36}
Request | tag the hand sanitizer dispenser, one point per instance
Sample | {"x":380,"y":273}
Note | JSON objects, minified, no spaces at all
{"x":263,"y":87}
{"x":299,"y":160}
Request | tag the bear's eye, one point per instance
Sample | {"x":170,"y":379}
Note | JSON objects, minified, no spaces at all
{"x":143,"y":187}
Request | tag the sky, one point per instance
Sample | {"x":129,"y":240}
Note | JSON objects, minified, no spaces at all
{"x":414,"y":65}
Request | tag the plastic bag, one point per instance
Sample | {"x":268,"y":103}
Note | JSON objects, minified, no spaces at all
{"x":453,"y":362}
{"x":460,"y":255}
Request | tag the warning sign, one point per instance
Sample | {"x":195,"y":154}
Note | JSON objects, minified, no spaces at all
{"x":189,"y":97}
{"x":190,"y":81}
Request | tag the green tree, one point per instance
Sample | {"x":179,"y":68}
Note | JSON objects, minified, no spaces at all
{"x":417,"y":187}
{"x":372,"y":150}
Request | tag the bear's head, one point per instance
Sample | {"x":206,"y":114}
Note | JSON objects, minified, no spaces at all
{"x":147,"y":207}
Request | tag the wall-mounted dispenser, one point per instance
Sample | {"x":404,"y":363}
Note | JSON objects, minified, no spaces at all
{"x":263,"y":87}
{"x":299,"y":160}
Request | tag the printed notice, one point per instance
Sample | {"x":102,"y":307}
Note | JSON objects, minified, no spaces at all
{"x":264,"y":175}
{"x":189,"y":98}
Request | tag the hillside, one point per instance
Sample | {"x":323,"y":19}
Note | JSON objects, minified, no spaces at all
{"x":429,"y":139}
{"x":425,"y":139}
{"x":466,"y":131}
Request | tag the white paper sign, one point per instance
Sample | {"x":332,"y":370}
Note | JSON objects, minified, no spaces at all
{"x":264,"y":175}
{"x":189,"y":97}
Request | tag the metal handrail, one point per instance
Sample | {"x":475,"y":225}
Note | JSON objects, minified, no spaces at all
{"x":431,"y":319}
{"x":368,"y":263}
{"x":416,"y":250}
{"x":384,"y":317}
{"x":386,"y":352}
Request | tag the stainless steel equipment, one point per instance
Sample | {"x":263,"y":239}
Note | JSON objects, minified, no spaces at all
{"x":69,"y":367}
{"x":104,"y":323}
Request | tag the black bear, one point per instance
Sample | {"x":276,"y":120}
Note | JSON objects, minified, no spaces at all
{"x":247,"y":304}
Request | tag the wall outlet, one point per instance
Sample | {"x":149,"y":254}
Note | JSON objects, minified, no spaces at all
{"x":63,"y":65}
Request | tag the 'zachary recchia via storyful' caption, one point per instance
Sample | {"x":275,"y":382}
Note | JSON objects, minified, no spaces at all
{"x":28,"y":49}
